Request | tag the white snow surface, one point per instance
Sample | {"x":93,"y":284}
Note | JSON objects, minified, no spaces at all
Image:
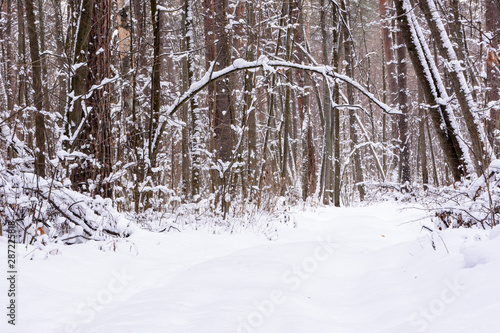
{"x":352,"y":270}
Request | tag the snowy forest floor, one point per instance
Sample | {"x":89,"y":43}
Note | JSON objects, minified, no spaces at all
{"x":368,"y":269}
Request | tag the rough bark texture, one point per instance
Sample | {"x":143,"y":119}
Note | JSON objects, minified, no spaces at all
{"x":326,"y":165}
{"x":79,"y":76}
{"x":480,"y":145}
{"x":62,"y":75}
{"x":185,"y":160}
{"x":155,"y":85}
{"x":492,"y":15}
{"x":336,"y":111}
{"x":38,"y":90}
{"x":404,"y":149}
{"x":353,"y":128}
{"x":99,"y":122}
{"x":391,"y":70}
{"x":249,"y":107}
{"x":438,"y":113}
{"x":223,"y":119}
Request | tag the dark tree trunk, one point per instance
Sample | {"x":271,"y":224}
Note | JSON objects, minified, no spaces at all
{"x":404,"y":149}
{"x":439,"y":114}
{"x":38,"y":89}
{"x":492,"y":14}
{"x":353,"y":128}
{"x":99,"y":122}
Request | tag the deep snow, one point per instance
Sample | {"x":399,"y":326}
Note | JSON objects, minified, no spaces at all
{"x":352,"y":270}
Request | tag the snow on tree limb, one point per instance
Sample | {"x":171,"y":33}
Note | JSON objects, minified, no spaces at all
{"x":267,"y":65}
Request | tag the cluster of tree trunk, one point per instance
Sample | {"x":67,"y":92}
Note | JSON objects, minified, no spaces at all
{"x":147,"y":102}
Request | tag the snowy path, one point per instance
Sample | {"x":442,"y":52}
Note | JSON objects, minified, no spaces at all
{"x":341,"y":270}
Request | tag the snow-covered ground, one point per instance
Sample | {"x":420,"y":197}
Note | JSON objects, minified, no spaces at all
{"x":351,"y":270}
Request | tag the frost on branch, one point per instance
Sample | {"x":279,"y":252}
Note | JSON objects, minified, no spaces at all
{"x":476,"y":204}
{"x":46,"y":211}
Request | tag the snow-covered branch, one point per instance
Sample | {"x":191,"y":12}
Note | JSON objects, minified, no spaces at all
{"x":267,"y":65}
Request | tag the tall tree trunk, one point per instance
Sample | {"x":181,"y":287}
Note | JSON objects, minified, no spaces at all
{"x":9,"y":55}
{"x":326,"y":165}
{"x":99,"y":122}
{"x":336,"y":110}
{"x":43,"y":61}
{"x":22,"y":70}
{"x":125,"y":54}
{"x":481,"y":149}
{"x":76,"y":102}
{"x":353,"y":128}
{"x":154,"y":113}
{"x":288,"y":14}
{"x":196,"y":119}
{"x":137,"y":135}
{"x":423,"y":149}
{"x":61,"y":75}
{"x":404,"y":149}
{"x":250,"y":107}
{"x":223,"y":112}
{"x":492,"y":14}
{"x":38,"y":89}
{"x":308,"y":159}
{"x":391,"y":70}
{"x":425,"y":69}
{"x":185,"y":160}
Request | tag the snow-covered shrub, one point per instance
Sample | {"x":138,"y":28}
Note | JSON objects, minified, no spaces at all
{"x":390,"y":191}
{"x":47,"y":211}
{"x":474,"y":203}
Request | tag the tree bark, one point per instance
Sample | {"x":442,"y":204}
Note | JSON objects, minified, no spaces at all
{"x":425,"y":71}
{"x":62,"y":75}
{"x":99,"y":122}
{"x":326,"y":165}
{"x":353,"y":128}
{"x":250,"y":107}
{"x":481,"y":149}
{"x":492,"y":15}
{"x":404,"y":149}
{"x":78,"y":80}
{"x":38,"y":89}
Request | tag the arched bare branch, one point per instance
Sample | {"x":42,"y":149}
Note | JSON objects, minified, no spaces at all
{"x":267,"y":65}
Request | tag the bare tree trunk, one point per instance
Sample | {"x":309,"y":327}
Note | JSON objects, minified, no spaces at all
{"x":289,"y":15}
{"x":185,"y":160}
{"x":9,"y":55}
{"x":99,"y":121}
{"x":427,"y":75}
{"x":390,"y":62}
{"x":138,"y":47}
{"x":62,"y":75}
{"x":308,"y":159}
{"x":22,"y":70}
{"x":155,"y":86}
{"x":250,"y":107}
{"x":336,"y":110}
{"x":404,"y":149}
{"x":125,"y":53}
{"x":492,"y":14}
{"x":196,"y":142}
{"x":421,"y":138}
{"x":43,"y":61}
{"x":209,"y":28}
{"x":481,"y":149}
{"x":38,"y":89}
{"x":223,"y":111}
{"x":433,"y":157}
{"x":353,"y":128}
{"x":326,"y":165}
{"x":79,"y":77}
